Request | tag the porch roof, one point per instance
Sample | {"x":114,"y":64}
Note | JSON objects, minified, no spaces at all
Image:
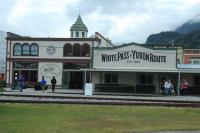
{"x":175,"y":70}
{"x":188,"y":68}
{"x":129,"y":70}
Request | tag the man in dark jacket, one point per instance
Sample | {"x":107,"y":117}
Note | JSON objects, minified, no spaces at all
{"x":53,"y":82}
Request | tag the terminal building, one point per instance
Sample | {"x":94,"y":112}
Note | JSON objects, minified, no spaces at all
{"x":74,"y":61}
{"x":60,"y":57}
{"x":138,"y":69}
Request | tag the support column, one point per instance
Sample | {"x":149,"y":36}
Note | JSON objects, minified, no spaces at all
{"x":85,"y":76}
{"x":179,"y":80}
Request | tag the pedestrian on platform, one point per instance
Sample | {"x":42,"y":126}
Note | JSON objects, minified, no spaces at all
{"x":168,"y":85}
{"x":43,"y":83}
{"x":184,"y":87}
{"x":21,"y":82}
{"x":53,"y":83}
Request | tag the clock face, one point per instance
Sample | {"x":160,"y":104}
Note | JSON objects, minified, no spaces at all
{"x":51,"y":50}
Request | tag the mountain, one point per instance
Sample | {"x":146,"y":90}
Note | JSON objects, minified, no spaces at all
{"x":163,"y":37}
{"x":190,"y":40}
{"x":187,"y":34}
{"x":189,"y":26}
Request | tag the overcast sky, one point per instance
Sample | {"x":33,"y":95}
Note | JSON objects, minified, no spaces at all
{"x":122,"y":21}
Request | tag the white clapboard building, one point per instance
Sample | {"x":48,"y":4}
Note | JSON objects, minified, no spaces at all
{"x":60,"y":57}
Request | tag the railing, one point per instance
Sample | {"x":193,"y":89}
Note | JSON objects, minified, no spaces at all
{"x":114,"y":88}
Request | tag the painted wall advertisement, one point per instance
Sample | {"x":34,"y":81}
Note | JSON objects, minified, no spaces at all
{"x":48,"y":70}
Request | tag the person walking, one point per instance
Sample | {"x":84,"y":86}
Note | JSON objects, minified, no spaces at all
{"x":43,"y":83}
{"x":53,"y":82}
{"x":184,"y":87}
{"x":21,"y":82}
{"x":167,"y":85}
{"x":163,"y":87}
{"x":170,"y":88}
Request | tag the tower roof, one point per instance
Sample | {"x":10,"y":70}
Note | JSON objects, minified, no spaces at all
{"x":79,"y":25}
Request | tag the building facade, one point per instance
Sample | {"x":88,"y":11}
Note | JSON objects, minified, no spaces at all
{"x":48,"y":57}
{"x":179,"y":48}
{"x":134,"y":68}
{"x":191,"y":56}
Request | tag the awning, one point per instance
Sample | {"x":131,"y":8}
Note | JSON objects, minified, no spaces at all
{"x":129,"y":70}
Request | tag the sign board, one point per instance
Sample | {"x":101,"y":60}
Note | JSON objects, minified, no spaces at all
{"x":134,"y":56}
{"x":88,"y":89}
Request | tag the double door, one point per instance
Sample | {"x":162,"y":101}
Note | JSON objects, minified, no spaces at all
{"x":72,"y":80}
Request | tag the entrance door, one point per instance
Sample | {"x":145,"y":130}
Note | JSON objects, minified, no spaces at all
{"x":66,"y":80}
{"x":72,"y":80}
{"x":76,"y":80}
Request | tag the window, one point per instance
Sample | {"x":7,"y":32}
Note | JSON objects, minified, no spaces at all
{"x":197,"y":80}
{"x":83,"y":34}
{"x":178,"y":61}
{"x":85,"y":50}
{"x":111,"y":78}
{"x":17,"y":49}
{"x":34,"y":49}
{"x":25,"y":49}
{"x":67,"y":50}
{"x":76,"y":50}
{"x":72,"y":34}
{"x":77,"y":34}
{"x":75,"y":65}
{"x":146,"y":79}
{"x":25,"y":65}
{"x":194,"y":61}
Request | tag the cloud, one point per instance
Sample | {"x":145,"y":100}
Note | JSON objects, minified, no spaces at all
{"x":122,"y":21}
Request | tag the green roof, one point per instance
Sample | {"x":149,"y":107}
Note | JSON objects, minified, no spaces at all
{"x":79,"y":25}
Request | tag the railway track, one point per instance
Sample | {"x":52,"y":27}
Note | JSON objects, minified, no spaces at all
{"x":97,"y":100}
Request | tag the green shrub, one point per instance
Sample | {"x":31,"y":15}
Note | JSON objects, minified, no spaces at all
{"x":2,"y":84}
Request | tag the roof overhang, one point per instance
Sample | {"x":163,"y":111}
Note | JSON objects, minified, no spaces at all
{"x":129,"y":70}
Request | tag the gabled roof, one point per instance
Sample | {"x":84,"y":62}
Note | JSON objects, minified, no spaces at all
{"x":79,"y":25}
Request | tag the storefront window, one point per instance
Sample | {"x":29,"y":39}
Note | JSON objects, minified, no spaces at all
{"x":197,"y":80}
{"x":194,"y":61}
{"x":111,"y":78}
{"x":75,"y":65}
{"x":25,"y":65}
{"x":146,"y":79}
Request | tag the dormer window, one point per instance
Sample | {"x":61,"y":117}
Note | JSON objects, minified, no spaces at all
{"x":72,"y":34}
{"x":77,"y":34}
{"x":83,"y":34}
